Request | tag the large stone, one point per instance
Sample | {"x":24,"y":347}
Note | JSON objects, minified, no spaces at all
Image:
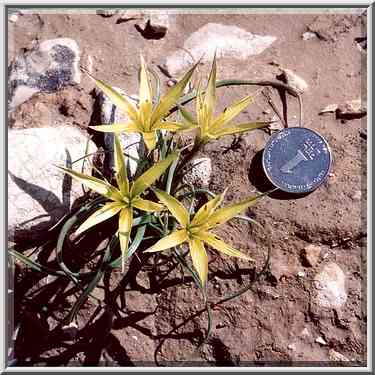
{"x":47,"y":67}
{"x":330,"y":287}
{"x":199,"y":172}
{"x":311,"y":254}
{"x":155,"y":25}
{"x":227,"y":41}
{"x":132,"y":143}
{"x":38,"y":193}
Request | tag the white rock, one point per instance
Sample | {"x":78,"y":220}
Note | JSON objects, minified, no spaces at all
{"x":330,"y":286}
{"x":38,"y":193}
{"x":309,"y":35}
{"x":294,"y":81}
{"x":357,"y":195}
{"x":301,"y":274}
{"x":47,"y":67}
{"x":292,"y":347}
{"x":13,"y":18}
{"x":329,"y":108}
{"x":227,"y":41}
{"x":199,"y":173}
{"x":157,"y":23}
{"x":305,"y":333}
{"x":336,"y":356}
{"x":321,"y":341}
{"x":106,"y":12}
{"x":311,"y":254}
{"x":352,"y":109}
{"x":132,"y":143}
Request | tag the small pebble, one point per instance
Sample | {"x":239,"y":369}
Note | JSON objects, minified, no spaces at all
{"x":321,"y":341}
{"x":171,"y":82}
{"x":13,"y":18}
{"x":305,"y":332}
{"x":357,"y":195}
{"x":292,"y":347}
{"x":135,"y":338}
{"x":294,"y":81}
{"x":336,"y":356}
{"x":309,"y":35}
{"x":301,"y":274}
{"x":330,"y":108}
{"x":311,"y":254}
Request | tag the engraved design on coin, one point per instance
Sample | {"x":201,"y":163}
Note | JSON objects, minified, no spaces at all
{"x":297,"y":160}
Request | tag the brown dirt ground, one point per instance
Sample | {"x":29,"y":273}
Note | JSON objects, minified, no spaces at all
{"x":257,"y":327}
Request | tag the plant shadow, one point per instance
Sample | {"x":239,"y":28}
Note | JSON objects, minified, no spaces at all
{"x":42,"y":304}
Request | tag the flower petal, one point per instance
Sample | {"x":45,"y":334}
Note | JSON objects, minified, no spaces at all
{"x":104,"y":213}
{"x":120,"y":167}
{"x":220,"y":245}
{"x":146,"y":205}
{"x":231,"y":112}
{"x":240,"y":128}
{"x":173,"y":126}
{"x":95,"y":184}
{"x":174,"y":239}
{"x":210,"y":94}
{"x":151,"y":175}
{"x":129,"y":127}
{"x":117,"y":99}
{"x":174,"y":206}
{"x":226,"y":213}
{"x":170,"y":99}
{"x":150,"y":140}
{"x":207,"y":209}
{"x":200,"y":260}
{"x":124,"y":227}
{"x":145,"y":96}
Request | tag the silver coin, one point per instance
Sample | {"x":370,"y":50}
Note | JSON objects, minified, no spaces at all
{"x":297,"y":160}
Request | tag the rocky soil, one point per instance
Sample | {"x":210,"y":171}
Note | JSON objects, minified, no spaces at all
{"x":309,"y":308}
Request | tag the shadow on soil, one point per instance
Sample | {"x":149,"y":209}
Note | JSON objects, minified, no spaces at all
{"x":42,"y":305}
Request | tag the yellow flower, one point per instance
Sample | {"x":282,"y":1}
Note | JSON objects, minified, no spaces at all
{"x":124,"y":198}
{"x":211,"y":127}
{"x":145,"y":119}
{"x":196,"y":232}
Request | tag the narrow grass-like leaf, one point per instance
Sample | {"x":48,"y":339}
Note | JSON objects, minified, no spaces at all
{"x":34,"y":265}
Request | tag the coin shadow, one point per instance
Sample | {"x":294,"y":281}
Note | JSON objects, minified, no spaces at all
{"x":258,"y":178}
